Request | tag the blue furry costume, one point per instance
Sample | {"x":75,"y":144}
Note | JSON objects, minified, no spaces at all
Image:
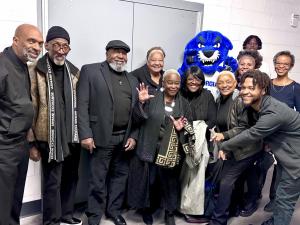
{"x":209,"y":51}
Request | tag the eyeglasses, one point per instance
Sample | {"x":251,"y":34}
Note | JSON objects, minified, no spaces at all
{"x":282,"y":64}
{"x":57,"y":46}
{"x":194,"y":79}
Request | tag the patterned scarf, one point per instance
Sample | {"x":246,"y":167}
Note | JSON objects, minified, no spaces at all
{"x":168,"y":154}
{"x":56,"y":152}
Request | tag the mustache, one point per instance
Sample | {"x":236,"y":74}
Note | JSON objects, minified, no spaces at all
{"x":118,"y":66}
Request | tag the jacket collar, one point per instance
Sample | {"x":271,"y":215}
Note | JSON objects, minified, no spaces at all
{"x":146,"y":71}
{"x":9,"y":52}
{"x":265,"y":102}
{"x":42,"y":65}
{"x":104,"y":67}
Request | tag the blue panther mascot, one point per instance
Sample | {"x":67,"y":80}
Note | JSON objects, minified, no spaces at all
{"x":209,"y":50}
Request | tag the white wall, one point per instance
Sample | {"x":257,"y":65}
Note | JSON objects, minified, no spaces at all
{"x":269,"y":19}
{"x":12,"y":14}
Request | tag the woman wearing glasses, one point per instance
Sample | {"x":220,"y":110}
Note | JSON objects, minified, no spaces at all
{"x":285,"y":90}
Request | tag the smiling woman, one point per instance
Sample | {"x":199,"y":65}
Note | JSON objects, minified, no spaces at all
{"x":201,"y":100}
{"x":151,"y":73}
{"x":247,"y":60}
{"x":164,"y":129}
{"x":226,"y":83}
{"x":203,"y":109}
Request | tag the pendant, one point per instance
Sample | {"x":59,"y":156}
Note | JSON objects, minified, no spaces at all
{"x":120,"y":82}
{"x":168,"y":108}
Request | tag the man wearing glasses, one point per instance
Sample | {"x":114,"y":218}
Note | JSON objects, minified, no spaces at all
{"x":54,"y":136}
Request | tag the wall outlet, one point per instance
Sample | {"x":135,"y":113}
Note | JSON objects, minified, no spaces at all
{"x":294,"y":20}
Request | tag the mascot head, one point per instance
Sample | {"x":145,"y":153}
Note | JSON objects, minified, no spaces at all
{"x":208,"y":50}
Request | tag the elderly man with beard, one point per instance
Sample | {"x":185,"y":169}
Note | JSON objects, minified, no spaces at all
{"x":54,"y":136}
{"x":106,"y":97}
{"x":16,"y":115}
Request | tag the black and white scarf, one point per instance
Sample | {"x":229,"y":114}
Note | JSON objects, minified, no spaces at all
{"x":56,"y":152}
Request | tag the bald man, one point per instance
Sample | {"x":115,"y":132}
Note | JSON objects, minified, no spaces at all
{"x":16,"y":115}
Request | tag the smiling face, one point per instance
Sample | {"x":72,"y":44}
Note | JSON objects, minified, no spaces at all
{"x":171,"y":84}
{"x":283,"y":65}
{"x":58,"y":50}
{"x":226,"y":84}
{"x":27,"y":43}
{"x":245,"y":63}
{"x":251,"y":94}
{"x":193,"y":83}
{"x":155,"y":61}
{"x":252,"y":45}
{"x":117,"y":59}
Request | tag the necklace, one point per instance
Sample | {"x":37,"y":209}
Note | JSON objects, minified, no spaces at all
{"x":278,"y":89}
{"x":280,"y":84}
{"x":169,"y":107}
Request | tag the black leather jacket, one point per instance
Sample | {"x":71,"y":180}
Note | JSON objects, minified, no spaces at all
{"x":240,"y":118}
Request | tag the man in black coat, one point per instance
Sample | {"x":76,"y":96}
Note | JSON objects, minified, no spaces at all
{"x":106,"y":97}
{"x":279,"y":126}
{"x":16,"y":114}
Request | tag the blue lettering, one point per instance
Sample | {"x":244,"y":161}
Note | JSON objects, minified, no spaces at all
{"x":210,"y":83}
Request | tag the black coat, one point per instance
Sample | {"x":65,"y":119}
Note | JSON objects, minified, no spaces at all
{"x":143,"y":75}
{"x":151,"y":119}
{"x":95,"y":104}
{"x":203,"y":106}
{"x":16,"y":110}
{"x":240,"y":118}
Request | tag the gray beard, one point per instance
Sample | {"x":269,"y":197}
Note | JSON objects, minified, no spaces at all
{"x":28,"y":56}
{"x":117,"y":67}
{"x":59,"y":62}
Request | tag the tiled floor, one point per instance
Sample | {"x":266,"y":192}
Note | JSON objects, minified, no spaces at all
{"x":133,"y":219}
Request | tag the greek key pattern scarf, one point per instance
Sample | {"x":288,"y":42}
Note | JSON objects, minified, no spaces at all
{"x":168,"y":155}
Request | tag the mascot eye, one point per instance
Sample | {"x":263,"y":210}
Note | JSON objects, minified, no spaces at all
{"x":201,"y":45}
{"x":217,"y":45}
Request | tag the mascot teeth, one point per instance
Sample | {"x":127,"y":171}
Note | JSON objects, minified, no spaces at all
{"x":211,"y":59}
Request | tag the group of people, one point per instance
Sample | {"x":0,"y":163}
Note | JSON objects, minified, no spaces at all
{"x":39,"y":121}
{"x":140,"y":130}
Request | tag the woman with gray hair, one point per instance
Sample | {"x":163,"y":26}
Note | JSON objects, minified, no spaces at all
{"x":164,"y":138}
{"x":152,"y":72}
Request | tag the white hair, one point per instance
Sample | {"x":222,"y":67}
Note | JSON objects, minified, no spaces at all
{"x":225,"y":72}
{"x":170,"y":71}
